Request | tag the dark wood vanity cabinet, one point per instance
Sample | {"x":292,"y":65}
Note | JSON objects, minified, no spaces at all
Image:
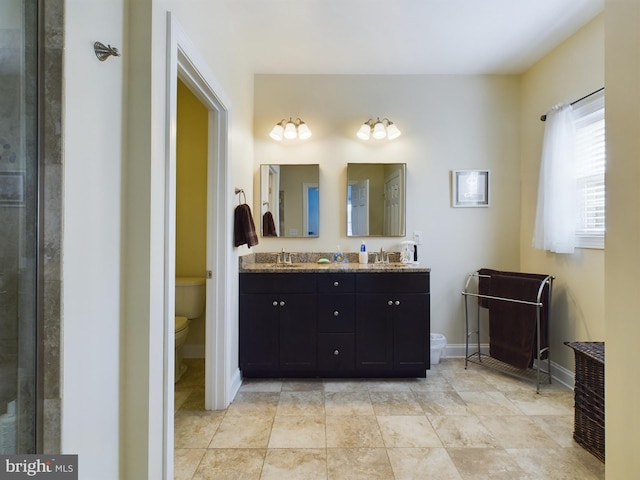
{"x":277,"y":324}
{"x":334,"y":324}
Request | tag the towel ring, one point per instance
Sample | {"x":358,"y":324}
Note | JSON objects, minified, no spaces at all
{"x":240,"y":192}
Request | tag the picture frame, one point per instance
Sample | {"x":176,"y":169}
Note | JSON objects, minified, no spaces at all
{"x":12,"y":189}
{"x":469,"y":188}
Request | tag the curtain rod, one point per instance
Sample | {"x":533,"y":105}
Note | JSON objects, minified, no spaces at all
{"x":544,"y":117}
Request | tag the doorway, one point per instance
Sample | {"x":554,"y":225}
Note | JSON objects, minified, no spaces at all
{"x":185,"y":63}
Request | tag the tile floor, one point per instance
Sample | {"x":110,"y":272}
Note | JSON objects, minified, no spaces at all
{"x":455,"y":424}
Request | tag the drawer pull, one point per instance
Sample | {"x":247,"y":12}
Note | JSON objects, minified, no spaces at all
{"x":336,"y":284}
{"x":336,"y":352}
{"x":336,"y":313}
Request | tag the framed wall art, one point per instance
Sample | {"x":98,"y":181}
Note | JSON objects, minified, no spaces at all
{"x":470,"y":188}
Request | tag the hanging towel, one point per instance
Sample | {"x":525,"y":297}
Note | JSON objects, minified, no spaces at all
{"x":512,"y":326}
{"x":268,"y":225}
{"x":244,"y":230}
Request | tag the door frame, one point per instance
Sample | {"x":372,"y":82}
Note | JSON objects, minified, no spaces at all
{"x":184,"y":61}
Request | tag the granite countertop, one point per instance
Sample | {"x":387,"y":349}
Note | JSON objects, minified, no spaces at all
{"x":307,"y":263}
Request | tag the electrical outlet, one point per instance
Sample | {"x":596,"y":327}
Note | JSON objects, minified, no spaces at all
{"x":417,"y":238}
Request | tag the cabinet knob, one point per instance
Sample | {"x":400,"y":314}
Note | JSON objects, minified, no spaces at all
{"x":336,"y":313}
{"x":282,"y":303}
{"x":336,"y":284}
{"x":336,"y":352}
{"x":390,"y":302}
{"x":397,"y":302}
{"x":275,"y":303}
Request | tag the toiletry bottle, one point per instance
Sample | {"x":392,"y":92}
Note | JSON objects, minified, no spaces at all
{"x":338,"y":257}
{"x":363,"y":256}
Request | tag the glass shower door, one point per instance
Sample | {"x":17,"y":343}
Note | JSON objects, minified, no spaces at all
{"x":18,"y":224}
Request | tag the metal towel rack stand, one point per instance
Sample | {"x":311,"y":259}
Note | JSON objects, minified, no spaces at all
{"x":542,"y":347}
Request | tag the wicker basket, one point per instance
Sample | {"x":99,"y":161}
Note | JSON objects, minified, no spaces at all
{"x":589,"y":396}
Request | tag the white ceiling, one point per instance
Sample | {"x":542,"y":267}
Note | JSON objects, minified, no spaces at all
{"x":404,"y":36}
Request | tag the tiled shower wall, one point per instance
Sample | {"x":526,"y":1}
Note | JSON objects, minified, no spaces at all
{"x":50,"y":239}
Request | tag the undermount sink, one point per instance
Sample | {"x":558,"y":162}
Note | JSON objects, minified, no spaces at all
{"x":284,"y":265}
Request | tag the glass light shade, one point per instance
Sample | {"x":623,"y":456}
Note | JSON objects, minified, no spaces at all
{"x":303,"y":131}
{"x":393,"y":131}
{"x":379,"y":131}
{"x":290,"y":130}
{"x":276,"y":132}
{"x":364,"y":132}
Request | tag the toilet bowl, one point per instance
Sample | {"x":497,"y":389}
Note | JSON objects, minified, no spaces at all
{"x":190,"y":301}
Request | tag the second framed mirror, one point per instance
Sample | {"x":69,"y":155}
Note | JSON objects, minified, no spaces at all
{"x":376,"y":198}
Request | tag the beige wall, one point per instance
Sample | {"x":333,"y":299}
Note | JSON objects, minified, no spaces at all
{"x":622,"y":70}
{"x":448,"y":122}
{"x":569,"y":72}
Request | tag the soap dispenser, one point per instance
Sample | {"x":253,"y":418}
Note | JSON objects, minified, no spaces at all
{"x":363,"y":256}
{"x":338,"y":257}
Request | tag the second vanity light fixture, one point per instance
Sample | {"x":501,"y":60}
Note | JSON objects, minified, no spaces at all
{"x":290,"y":129}
{"x":379,"y":129}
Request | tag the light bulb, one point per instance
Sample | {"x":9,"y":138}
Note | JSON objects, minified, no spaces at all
{"x":364,"y":132}
{"x":303,"y":131}
{"x":290,"y":130}
{"x":393,"y":131}
{"x":276,"y":132}
{"x":379,"y":131}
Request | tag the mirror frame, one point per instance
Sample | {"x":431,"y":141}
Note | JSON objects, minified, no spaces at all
{"x":396,"y":181}
{"x":268,"y":197}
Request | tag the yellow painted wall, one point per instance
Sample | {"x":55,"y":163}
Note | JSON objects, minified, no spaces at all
{"x":572,"y":70}
{"x":191,"y":185}
{"x":191,"y":200}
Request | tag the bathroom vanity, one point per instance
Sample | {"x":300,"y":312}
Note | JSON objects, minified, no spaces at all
{"x":337,"y":320}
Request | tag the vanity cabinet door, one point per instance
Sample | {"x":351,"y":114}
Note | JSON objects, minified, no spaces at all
{"x":392,"y":324}
{"x":411,"y":333}
{"x":259,"y":326}
{"x":297,"y":333}
{"x":374,"y":340}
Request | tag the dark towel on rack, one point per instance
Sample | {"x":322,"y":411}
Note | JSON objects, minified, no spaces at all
{"x":244,"y":230}
{"x":268,"y":225}
{"x":512,"y":326}
{"x":484,"y":285}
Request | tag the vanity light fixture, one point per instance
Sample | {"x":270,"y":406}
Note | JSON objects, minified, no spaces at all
{"x":379,"y":129}
{"x":290,"y":129}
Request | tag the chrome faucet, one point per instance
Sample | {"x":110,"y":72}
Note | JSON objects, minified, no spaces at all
{"x":382,"y":257}
{"x":283,"y":257}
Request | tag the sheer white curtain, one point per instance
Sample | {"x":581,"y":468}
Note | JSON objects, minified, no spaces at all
{"x":556,"y":211}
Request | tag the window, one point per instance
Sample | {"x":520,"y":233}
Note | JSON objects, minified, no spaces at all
{"x":590,"y":166}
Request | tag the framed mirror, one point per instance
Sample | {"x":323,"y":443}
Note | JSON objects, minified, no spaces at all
{"x":376,"y":198}
{"x":289,"y":200}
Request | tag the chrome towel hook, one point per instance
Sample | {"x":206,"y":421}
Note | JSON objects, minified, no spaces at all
{"x":105,"y":51}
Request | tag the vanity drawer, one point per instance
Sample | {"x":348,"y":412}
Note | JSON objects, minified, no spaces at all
{"x":336,"y":282}
{"x":277,"y":282}
{"x":401,"y":282}
{"x":336,"y":352}
{"x":336,"y":313}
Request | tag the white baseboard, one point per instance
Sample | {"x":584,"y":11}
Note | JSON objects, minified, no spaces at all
{"x":236,"y":382}
{"x":559,"y":373}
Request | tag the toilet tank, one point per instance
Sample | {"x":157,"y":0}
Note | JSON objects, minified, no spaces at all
{"x":190,"y":296}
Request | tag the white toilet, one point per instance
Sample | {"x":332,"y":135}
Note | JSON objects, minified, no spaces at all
{"x":190,"y":300}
